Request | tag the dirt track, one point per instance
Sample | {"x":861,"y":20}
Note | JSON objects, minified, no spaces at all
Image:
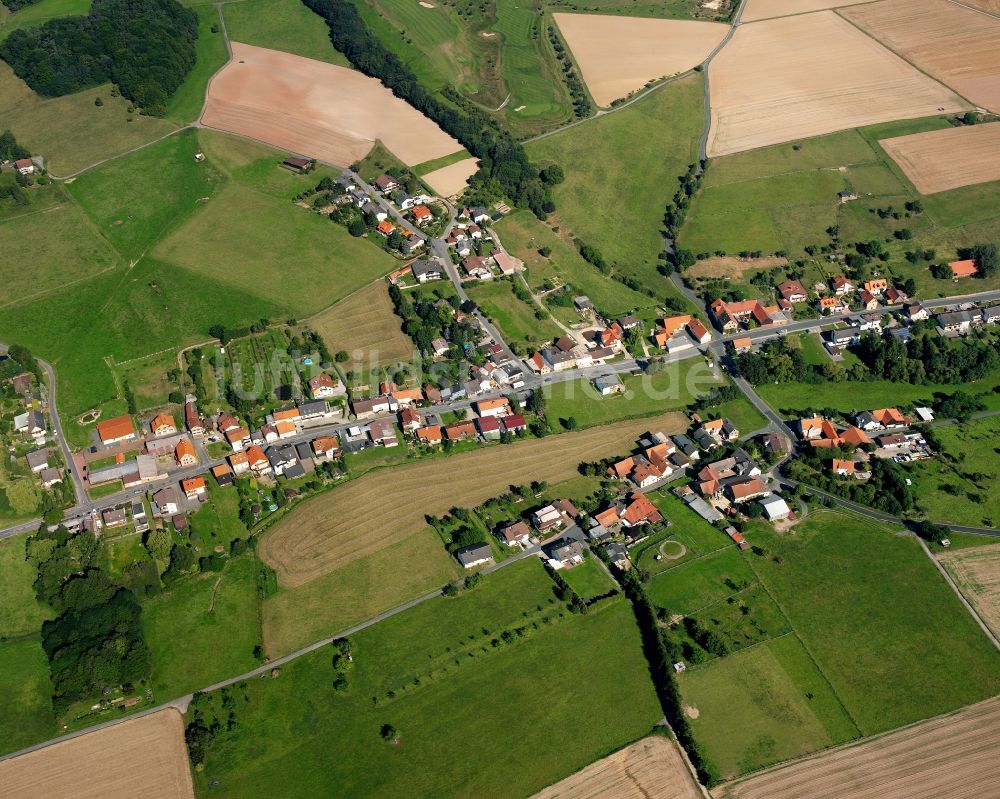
{"x":949,"y":757}
{"x":648,"y":768}
{"x":378,"y":509}
{"x":959,"y":47}
{"x":317,"y":109}
{"x":946,"y":159}
{"x":144,"y":757}
{"x":795,"y":77}
{"x":618,"y":55}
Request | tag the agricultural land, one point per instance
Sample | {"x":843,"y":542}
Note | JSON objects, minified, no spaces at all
{"x":977,"y":572}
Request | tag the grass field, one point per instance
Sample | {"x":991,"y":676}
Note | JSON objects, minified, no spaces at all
{"x":186,"y":103}
{"x":203,"y":629}
{"x":136,"y":199}
{"x":217,"y":521}
{"x":20,"y":613}
{"x":147,"y":377}
{"x":687,"y":529}
{"x":524,"y":236}
{"x":588,"y":579}
{"x":366,"y":326}
{"x":866,"y":620}
{"x":282,"y":25}
{"x":760,"y":706}
{"x":373,"y":511}
{"x":71,"y":132}
{"x":620,"y":172}
{"x":515,"y":318}
{"x":433,"y":658}
{"x":963,"y":491}
{"x":31,"y":16}
{"x":742,"y":414}
{"x":25,"y":691}
{"x":234,"y":240}
{"x":694,"y":584}
{"x":58,"y":242}
{"x":363,"y":588}
{"x":645,"y":395}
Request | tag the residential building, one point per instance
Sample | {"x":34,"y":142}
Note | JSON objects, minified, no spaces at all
{"x":120,"y":428}
{"x":38,"y":460}
{"x":489,"y":427}
{"x":841,"y":285}
{"x":792,"y":291}
{"x":223,"y":475}
{"x":745,"y":490}
{"x":385,"y":183}
{"x":426,"y":270}
{"x":516,"y":534}
{"x":493,"y":407}
{"x":474,"y":555}
{"x":955,"y":323}
{"x":547,"y":519}
{"x":165,"y":502}
{"x":238,"y":438}
{"x":323,"y":386}
{"x":564,"y":553}
{"x":194,"y":487}
{"x":239,"y":462}
{"x":514,"y":423}
{"x":163,"y":424}
{"x":383,"y":431}
{"x":609,"y":384}
{"x":258,"y":460}
{"x":429,"y":435}
{"x":325,"y":447}
{"x":185,"y":453}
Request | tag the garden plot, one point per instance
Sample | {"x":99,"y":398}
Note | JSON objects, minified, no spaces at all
{"x":807,"y":75}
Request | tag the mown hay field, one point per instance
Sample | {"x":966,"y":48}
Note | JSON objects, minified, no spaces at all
{"x":939,"y":160}
{"x":947,"y":757}
{"x":366,"y":327}
{"x":381,"y":508}
{"x":653,"y":766}
{"x":618,"y":55}
{"x":977,"y":572}
{"x":317,"y":109}
{"x":956,"y":45}
{"x":801,"y":76}
{"x":141,"y":757}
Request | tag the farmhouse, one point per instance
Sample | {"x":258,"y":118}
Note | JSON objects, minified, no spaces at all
{"x":111,"y":431}
{"x":163,"y":425}
{"x":474,"y":555}
{"x":730,"y":315}
{"x":966,"y":268}
{"x":185,"y":453}
{"x":507,"y":263}
{"x":748,"y":489}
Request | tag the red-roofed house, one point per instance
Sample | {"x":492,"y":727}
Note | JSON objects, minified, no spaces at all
{"x":194,"y":487}
{"x":421,"y":214}
{"x":322,"y":386}
{"x":185,"y":453}
{"x":698,"y":331}
{"x":386,"y":228}
{"x":114,"y":430}
{"x":792,"y":291}
{"x":514,"y":423}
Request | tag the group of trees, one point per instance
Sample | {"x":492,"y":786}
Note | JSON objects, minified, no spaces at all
{"x":676,"y":210}
{"x":95,"y":640}
{"x":577,"y":90}
{"x":885,"y":490}
{"x":424,"y":320}
{"x":146,"y":47}
{"x":927,"y":358}
{"x":505,"y":168}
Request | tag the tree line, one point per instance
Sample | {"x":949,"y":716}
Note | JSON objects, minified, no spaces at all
{"x":505,"y":168}
{"x":146,"y":47}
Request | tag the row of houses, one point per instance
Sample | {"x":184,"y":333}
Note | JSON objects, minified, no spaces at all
{"x":565,"y":352}
{"x":681,"y":332}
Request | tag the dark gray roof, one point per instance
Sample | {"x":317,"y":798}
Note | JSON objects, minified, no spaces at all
{"x":295,"y":470}
{"x":473,"y":553}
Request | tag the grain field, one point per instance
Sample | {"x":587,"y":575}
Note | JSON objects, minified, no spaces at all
{"x":795,"y":77}
{"x":977,"y":572}
{"x":652,"y":767}
{"x":365,"y":325}
{"x":768,"y":9}
{"x":144,"y":757}
{"x":381,"y":508}
{"x":939,"y":160}
{"x":948,"y":757}
{"x":958,"y":46}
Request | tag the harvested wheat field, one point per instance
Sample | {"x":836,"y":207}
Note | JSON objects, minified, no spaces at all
{"x":939,"y":160}
{"x":948,"y":757}
{"x":730,"y":266}
{"x":143,"y":757}
{"x":366,"y":326}
{"x":386,"y":506}
{"x":618,"y":55}
{"x":450,"y":180}
{"x":316,"y":109}
{"x":977,"y":572}
{"x":647,"y":768}
{"x":989,"y":6}
{"x":768,"y":9}
{"x":958,"y":46}
{"x":796,"y":77}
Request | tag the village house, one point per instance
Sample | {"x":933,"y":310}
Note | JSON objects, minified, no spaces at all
{"x":165,"y":502}
{"x":698,"y":331}
{"x":421,"y":214}
{"x":239,"y":463}
{"x":383,"y":432}
{"x":843,"y":468}
{"x":635,"y":510}
{"x":24,"y":166}
{"x":842,"y":285}
{"x":745,"y":490}
{"x":385,"y":183}
{"x":185,"y":453}
{"x":323,"y":386}
{"x":489,"y":427}
{"x":258,"y":460}
{"x":667,"y":327}
{"x":721,"y":429}
{"x":831,"y":305}
{"x":583,"y":303}
{"x":225,"y":422}
{"x":493,"y":407}
{"x":284,"y":428}
{"x":867,"y":300}
{"x":238,"y":438}
{"x":564,"y":553}
{"x":956,"y":323}
{"x":474,"y":555}
{"x":507,"y":263}
{"x":163,"y":425}
{"x":430,"y":435}
{"x":425,"y":270}
{"x":990,"y":316}
{"x":966,"y":268}
{"x":916,"y":312}
{"x":120,"y":428}
{"x":405,"y":397}
{"x":896,"y":295}
{"x":49,"y":477}
{"x":609,"y":384}
{"x":223,"y":475}
{"x":514,"y":423}
{"x":730,"y":315}
{"x":876,"y":286}
{"x":792,"y":291}
{"x":460,"y":431}
{"x":517,"y":534}
{"x":478,"y":266}
{"x":194,"y":488}
{"x":369,"y":406}
{"x":386,"y":228}
{"x":325,"y":447}
{"x":547,"y":519}
{"x":114,"y":517}
{"x":409,"y":419}
{"x":281,"y":459}
{"x":37,"y":460}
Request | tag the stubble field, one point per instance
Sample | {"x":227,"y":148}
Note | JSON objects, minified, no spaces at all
{"x":802,"y":76}
{"x":944,"y":758}
{"x":768,"y":9}
{"x":977,"y":572}
{"x":321,"y":110}
{"x":141,"y":757}
{"x":451,"y":179}
{"x":956,"y":45}
{"x":618,"y":55}
{"x":379,"y":509}
{"x":940,"y":160}
{"x":650,"y":767}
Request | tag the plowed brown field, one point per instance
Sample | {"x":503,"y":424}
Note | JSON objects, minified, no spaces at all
{"x":977,"y":572}
{"x":949,"y":757}
{"x":144,"y":757}
{"x":618,"y":55}
{"x":807,"y":75}
{"x":648,"y":768}
{"x":378,"y":509}
{"x":939,"y":160}
{"x":958,"y":46}
{"x":316,"y":109}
